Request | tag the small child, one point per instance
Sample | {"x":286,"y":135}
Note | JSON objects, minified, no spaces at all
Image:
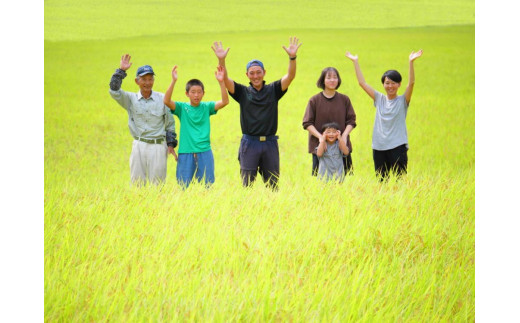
{"x":330,"y":152}
{"x":195,"y":155}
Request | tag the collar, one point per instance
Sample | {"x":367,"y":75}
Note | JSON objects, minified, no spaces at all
{"x":263,"y":85}
{"x":140,"y":96}
{"x":326,"y":97}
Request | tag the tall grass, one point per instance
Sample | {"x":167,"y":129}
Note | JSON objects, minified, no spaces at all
{"x":360,"y":251}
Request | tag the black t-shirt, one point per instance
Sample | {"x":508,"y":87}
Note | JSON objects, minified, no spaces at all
{"x":259,"y":109}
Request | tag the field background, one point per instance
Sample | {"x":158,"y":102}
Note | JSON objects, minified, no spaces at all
{"x":360,"y":251}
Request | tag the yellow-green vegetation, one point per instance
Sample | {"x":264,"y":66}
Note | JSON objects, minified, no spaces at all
{"x":358,"y":251}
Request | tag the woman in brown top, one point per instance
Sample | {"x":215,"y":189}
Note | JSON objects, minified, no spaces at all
{"x":329,"y":106}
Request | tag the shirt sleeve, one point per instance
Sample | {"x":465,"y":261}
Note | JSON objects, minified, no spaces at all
{"x":121,"y":97}
{"x":169,"y":121}
{"x":211,"y":108}
{"x":117,"y":79}
{"x":278,"y":89}
{"x":377,"y":98}
{"x":406,"y":105}
{"x":178,"y":109}
{"x":310,"y":114}
{"x":350,"y":117}
{"x":239,"y":90}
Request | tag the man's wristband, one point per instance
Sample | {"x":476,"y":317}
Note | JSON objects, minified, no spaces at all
{"x":292,"y":58}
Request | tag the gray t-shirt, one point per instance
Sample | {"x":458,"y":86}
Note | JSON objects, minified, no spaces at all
{"x":390,"y":122}
{"x":331,"y":163}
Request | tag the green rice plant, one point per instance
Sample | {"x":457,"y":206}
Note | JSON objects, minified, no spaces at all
{"x":313,"y":251}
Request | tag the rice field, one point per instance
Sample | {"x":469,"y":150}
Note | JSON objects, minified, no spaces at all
{"x":360,"y":251}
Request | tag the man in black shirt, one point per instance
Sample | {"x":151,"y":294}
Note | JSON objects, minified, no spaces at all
{"x":259,"y":115}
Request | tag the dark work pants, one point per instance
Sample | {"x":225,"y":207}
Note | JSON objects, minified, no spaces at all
{"x":393,"y":160}
{"x":347,"y":165}
{"x":259,"y":156}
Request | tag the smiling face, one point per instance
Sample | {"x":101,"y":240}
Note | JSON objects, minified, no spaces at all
{"x":331,"y":135}
{"x":256,"y":76}
{"x":391,"y":88}
{"x":145,"y":83}
{"x":195,"y":93}
{"x":331,"y":81}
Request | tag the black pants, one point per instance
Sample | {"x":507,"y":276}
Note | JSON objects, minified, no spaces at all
{"x":393,"y":160}
{"x":259,"y":157}
{"x":347,"y":165}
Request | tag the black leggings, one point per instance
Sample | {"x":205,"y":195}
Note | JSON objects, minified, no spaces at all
{"x":393,"y":160}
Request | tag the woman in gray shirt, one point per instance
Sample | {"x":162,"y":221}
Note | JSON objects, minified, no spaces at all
{"x":389,"y":137}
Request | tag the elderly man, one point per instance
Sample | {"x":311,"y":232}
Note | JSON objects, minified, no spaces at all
{"x":150,"y":122}
{"x":258,"y":150}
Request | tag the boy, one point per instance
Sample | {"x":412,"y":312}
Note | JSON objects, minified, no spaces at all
{"x":389,"y":137}
{"x":330,"y":152}
{"x":195,"y":155}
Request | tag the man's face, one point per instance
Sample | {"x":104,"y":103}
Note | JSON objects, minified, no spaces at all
{"x":145,"y":83}
{"x":195,"y":94}
{"x":256,"y":76}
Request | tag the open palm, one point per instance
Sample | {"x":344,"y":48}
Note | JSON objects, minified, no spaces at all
{"x":415,"y":55}
{"x":219,"y":50}
{"x":293,"y":46}
{"x":219,"y":74}
{"x":125,"y":62}
{"x":351,"y":56}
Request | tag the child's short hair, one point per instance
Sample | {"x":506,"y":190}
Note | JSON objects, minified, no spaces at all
{"x":194,"y":82}
{"x":393,"y":75}
{"x":321,"y":80}
{"x":332,"y":125}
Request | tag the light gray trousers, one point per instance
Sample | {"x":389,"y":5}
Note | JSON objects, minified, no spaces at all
{"x":148,"y":162}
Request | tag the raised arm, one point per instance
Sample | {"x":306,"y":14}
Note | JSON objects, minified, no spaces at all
{"x":219,"y":75}
{"x":322,"y":146}
{"x":168,"y":94}
{"x":361,"y":80}
{"x":120,"y":74}
{"x":291,"y":73}
{"x":409,"y":89}
{"x":125,"y":62}
{"x":221,"y":54}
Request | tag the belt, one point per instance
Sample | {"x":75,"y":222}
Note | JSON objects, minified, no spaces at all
{"x":150,"y":141}
{"x":260,"y":138}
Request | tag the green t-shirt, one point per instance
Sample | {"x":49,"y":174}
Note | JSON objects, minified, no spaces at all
{"x":195,"y":127}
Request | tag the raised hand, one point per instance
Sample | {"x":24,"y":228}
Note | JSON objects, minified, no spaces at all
{"x":125,"y":62}
{"x":293,"y":47}
{"x":352,"y":57}
{"x":219,"y":50}
{"x":414,"y":55}
{"x":219,"y":74}
{"x":174,"y":73}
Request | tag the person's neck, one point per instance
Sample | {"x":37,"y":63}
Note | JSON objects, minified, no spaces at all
{"x":259,"y":87}
{"x":329,"y":93}
{"x":147,"y":94}
{"x":391,"y":97}
{"x":331,"y":142}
